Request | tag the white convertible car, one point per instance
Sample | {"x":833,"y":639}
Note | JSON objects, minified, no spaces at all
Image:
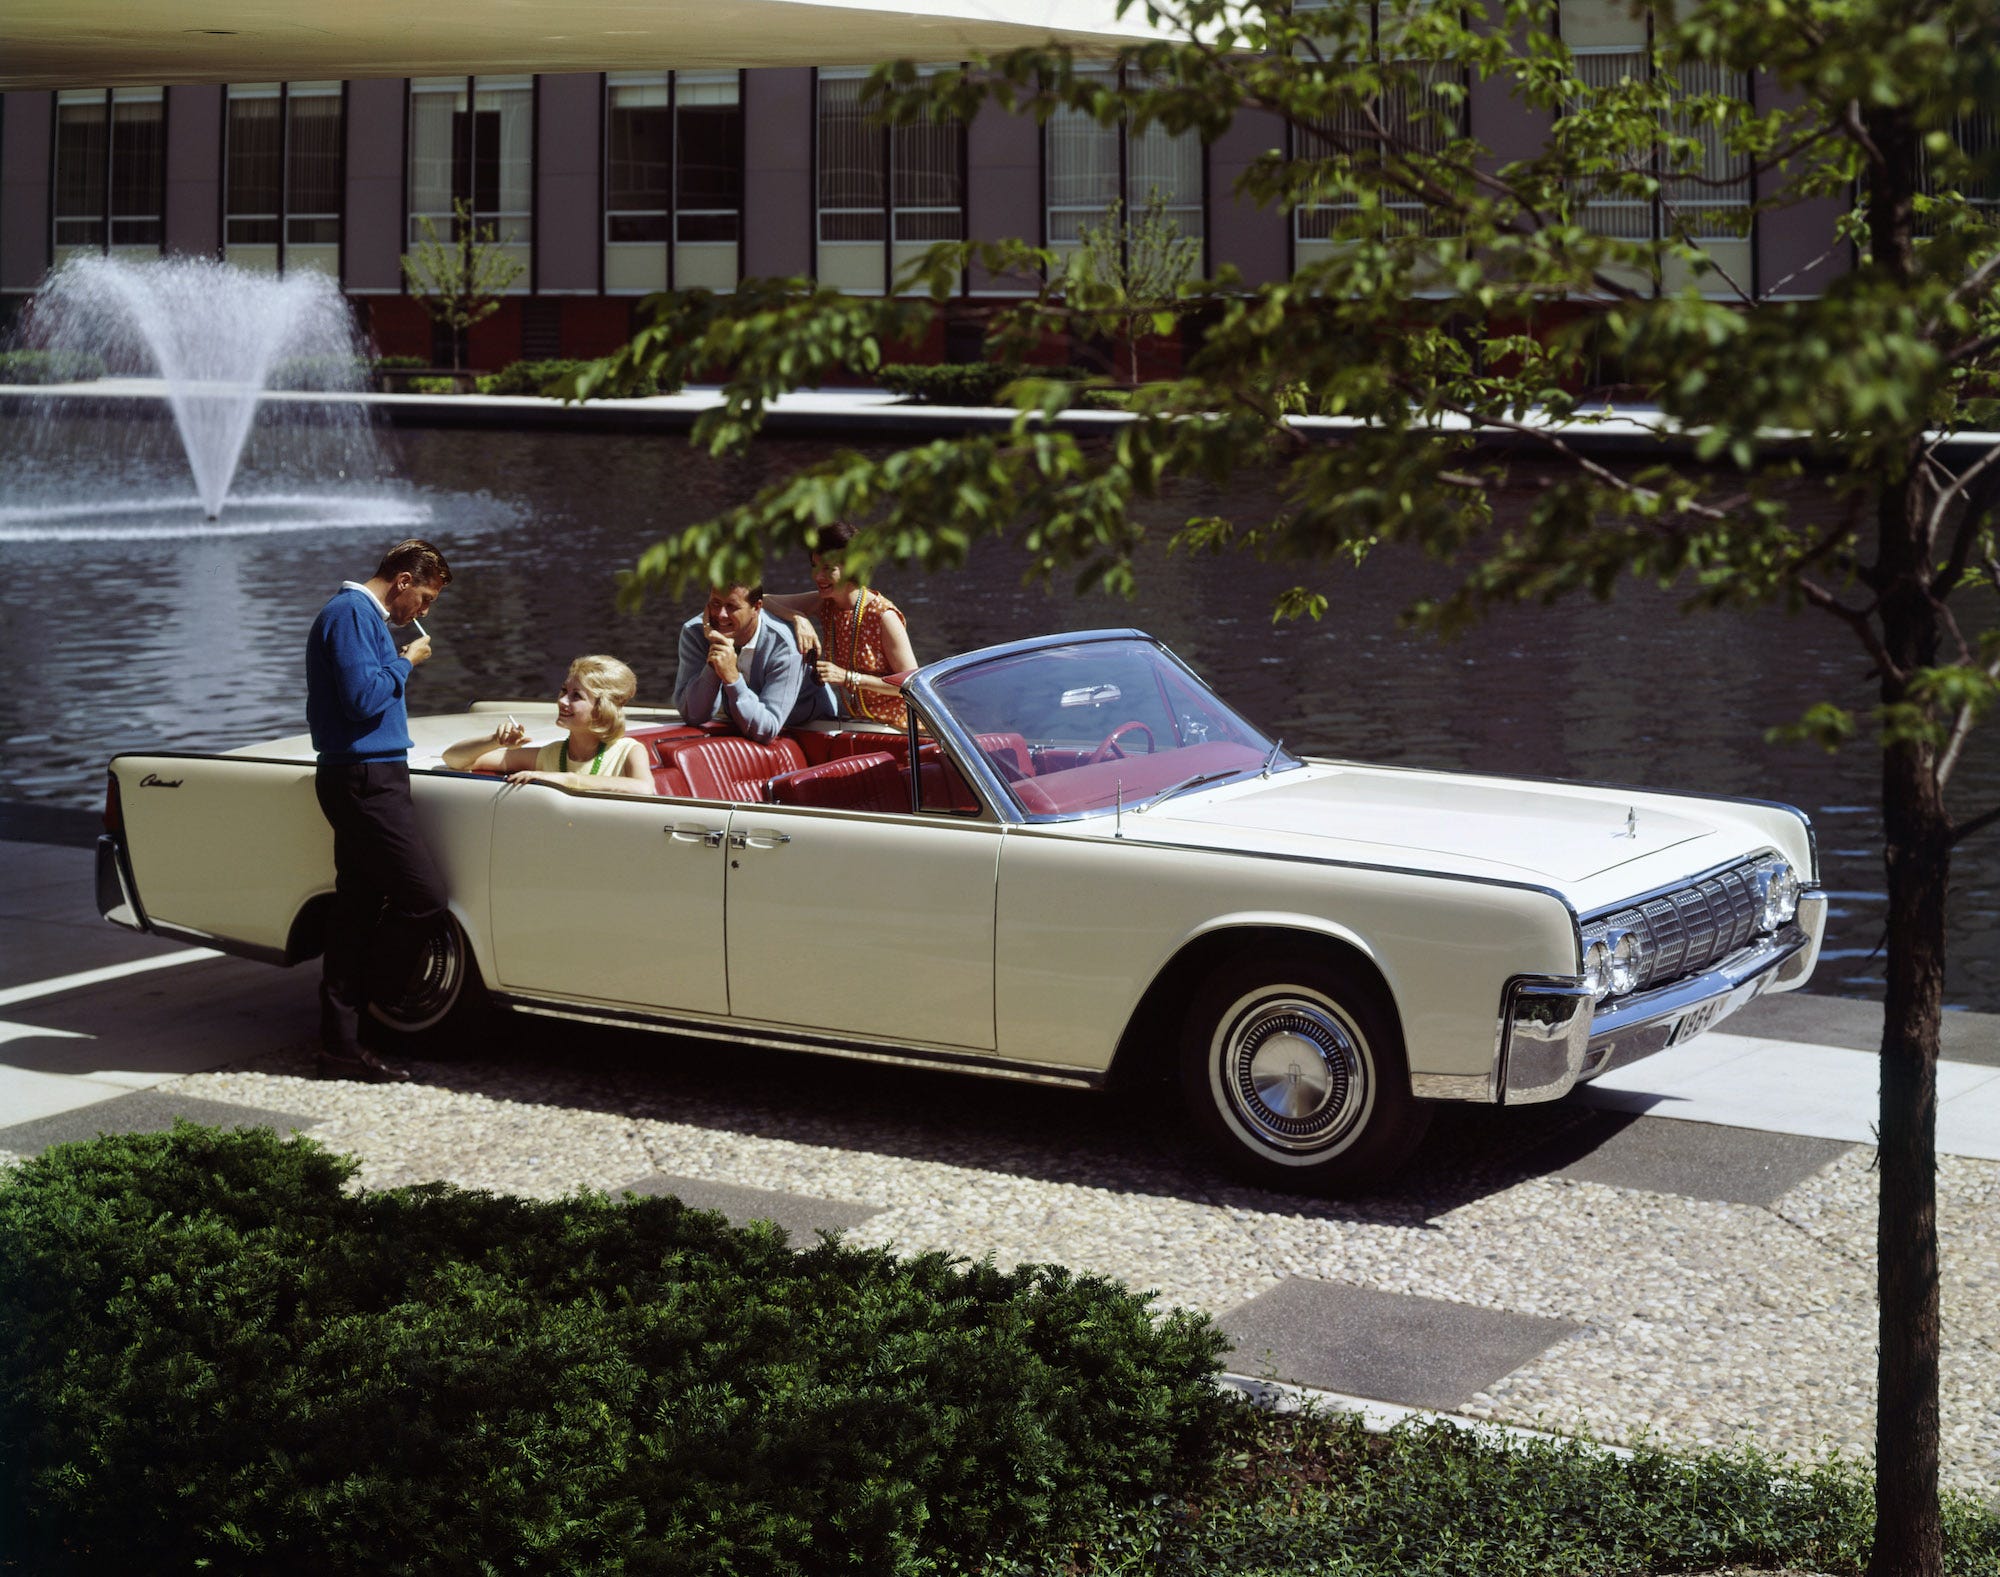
{"x":1096,"y":871}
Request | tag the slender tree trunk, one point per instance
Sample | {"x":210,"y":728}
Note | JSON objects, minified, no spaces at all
{"x":1909,"y":1535}
{"x":1909,"y":1538}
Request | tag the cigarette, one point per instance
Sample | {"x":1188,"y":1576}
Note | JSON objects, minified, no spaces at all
{"x":418,"y":625}
{"x":511,"y":724}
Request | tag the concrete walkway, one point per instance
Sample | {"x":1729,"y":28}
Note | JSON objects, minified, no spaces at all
{"x":869,"y":414}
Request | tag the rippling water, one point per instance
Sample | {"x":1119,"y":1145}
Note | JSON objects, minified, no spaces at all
{"x":133,"y":629}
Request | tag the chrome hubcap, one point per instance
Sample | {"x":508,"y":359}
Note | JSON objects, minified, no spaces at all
{"x":434,"y":987}
{"x":1294,"y":1073}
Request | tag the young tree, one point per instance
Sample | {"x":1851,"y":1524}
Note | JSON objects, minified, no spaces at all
{"x":1128,"y":274}
{"x":460,"y":280}
{"x":1430,"y":318}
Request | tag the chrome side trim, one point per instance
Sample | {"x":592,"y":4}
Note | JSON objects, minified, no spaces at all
{"x":1544,"y":1040}
{"x":1065,"y":829}
{"x":667,"y":1024}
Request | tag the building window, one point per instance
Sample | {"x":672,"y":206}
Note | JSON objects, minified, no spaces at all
{"x":1087,"y":167}
{"x":1978,"y":139}
{"x":673,"y":180}
{"x":1410,"y":114}
{"x":282,"y":186}
{"x":886,"y":195}
{"x":110,"y":171}
{"x":472,"y":141}
{"x":1611,"y":44}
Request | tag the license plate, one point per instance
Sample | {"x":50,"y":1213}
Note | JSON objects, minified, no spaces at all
{"x":1697,"y":1019}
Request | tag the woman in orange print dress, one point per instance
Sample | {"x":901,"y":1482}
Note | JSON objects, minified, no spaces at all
{"x":866,"y":639}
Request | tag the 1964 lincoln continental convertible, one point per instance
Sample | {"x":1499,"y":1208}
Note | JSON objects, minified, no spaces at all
{"x":1078,"y":865}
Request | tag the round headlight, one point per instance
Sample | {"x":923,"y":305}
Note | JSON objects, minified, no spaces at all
{"x":1625,"y":962}
{"x":1777,"y":895}
{"x":1597,"y":969}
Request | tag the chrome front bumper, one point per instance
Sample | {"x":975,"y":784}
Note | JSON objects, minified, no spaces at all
{"x":1552,"y":1038}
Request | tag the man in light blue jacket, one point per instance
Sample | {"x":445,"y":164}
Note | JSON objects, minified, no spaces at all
{"x":740,"y":668}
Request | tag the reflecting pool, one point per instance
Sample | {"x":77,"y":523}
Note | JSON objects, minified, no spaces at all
{"x":167,"y":634}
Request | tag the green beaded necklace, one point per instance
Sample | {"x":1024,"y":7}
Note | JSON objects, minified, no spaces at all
{"x":596,"y":761}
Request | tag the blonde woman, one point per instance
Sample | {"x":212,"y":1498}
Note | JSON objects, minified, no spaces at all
{"x":594,"y":752}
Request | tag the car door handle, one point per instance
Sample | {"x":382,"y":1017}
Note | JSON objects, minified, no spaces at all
{"x":758,"y":840}
{"x":707,"y":837}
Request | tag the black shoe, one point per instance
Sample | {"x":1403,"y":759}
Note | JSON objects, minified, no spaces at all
{"x":341,"y":1052}
{"x":362,"y":1066}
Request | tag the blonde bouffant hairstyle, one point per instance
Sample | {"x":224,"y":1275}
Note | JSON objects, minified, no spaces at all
{"x":609,"y":684}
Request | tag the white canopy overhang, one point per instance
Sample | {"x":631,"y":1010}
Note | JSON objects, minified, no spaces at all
{"x":114,"y":43}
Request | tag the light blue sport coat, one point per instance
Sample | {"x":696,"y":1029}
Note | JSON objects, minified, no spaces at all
{"x":772,"y":690}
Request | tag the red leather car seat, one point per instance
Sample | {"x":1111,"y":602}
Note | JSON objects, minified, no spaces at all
{"x":870,"y":782}
{"x":730,"y":767}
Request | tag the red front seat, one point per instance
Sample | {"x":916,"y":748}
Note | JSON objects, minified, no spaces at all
{"x":729,"y":767}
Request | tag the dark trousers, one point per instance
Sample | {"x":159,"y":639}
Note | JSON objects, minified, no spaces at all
{"x":388,"y":898}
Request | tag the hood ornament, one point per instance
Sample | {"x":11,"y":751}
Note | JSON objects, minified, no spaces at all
{"x":1631,"y":822}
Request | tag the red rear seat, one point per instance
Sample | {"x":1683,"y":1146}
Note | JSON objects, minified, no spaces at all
{"x":729,"y":767}
{"x":671,"y":782}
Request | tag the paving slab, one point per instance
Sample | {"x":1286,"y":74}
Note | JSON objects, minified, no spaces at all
{"x":1826,"y":1092}
{"x":1843,"y":1021}
{"x":140,"y":1111}
{"x":802,"y":1216}
{"x":1423,"y":1352}
{"x":30,"y":821}
{"x":1741,"y":1166}
{"x":49,"y":924}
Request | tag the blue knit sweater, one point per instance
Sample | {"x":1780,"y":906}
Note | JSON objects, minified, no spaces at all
{"x":354,"y":683}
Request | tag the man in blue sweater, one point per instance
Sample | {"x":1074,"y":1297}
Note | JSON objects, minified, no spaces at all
{"x":388,"y":896}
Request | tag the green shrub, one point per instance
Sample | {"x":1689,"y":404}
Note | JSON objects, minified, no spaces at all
{"x":1318,"y":1495}
{"x":319,"y":373}
{"x":212,"y":1351}
{"x":399,"y":363}
{"x":540,"y":377}
{"x":50,"y":366}
{"x":961,"y":383}
{"x":439,"y":385}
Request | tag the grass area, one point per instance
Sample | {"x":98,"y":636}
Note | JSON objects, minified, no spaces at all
{"x":1299,"y":1495}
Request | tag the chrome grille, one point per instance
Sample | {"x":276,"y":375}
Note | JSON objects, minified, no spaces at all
{"x":1688,"y":930}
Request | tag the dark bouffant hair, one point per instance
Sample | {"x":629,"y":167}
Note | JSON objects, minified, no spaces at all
{"x":422,"y":562}
{"x":833,"y":536}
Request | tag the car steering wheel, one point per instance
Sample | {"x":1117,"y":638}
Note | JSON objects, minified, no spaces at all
{"x":1111,"y":747}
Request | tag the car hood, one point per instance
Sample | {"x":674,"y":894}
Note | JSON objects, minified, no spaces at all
{"x":1561,"y":832}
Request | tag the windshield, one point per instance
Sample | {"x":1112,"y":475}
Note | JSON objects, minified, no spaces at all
{"x":1089,"y":725}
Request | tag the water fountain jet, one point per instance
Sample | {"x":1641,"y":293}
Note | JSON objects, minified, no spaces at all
{"x":214,"y":336}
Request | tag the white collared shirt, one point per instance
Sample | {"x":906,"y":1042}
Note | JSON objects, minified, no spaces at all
{"x":355,"y":585}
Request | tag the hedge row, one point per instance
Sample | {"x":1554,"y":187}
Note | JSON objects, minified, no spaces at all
{"x":961,"y":383}
{"x":213,"y":1351}
{"x":50,"y":366}
{"x":540,"y":377}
